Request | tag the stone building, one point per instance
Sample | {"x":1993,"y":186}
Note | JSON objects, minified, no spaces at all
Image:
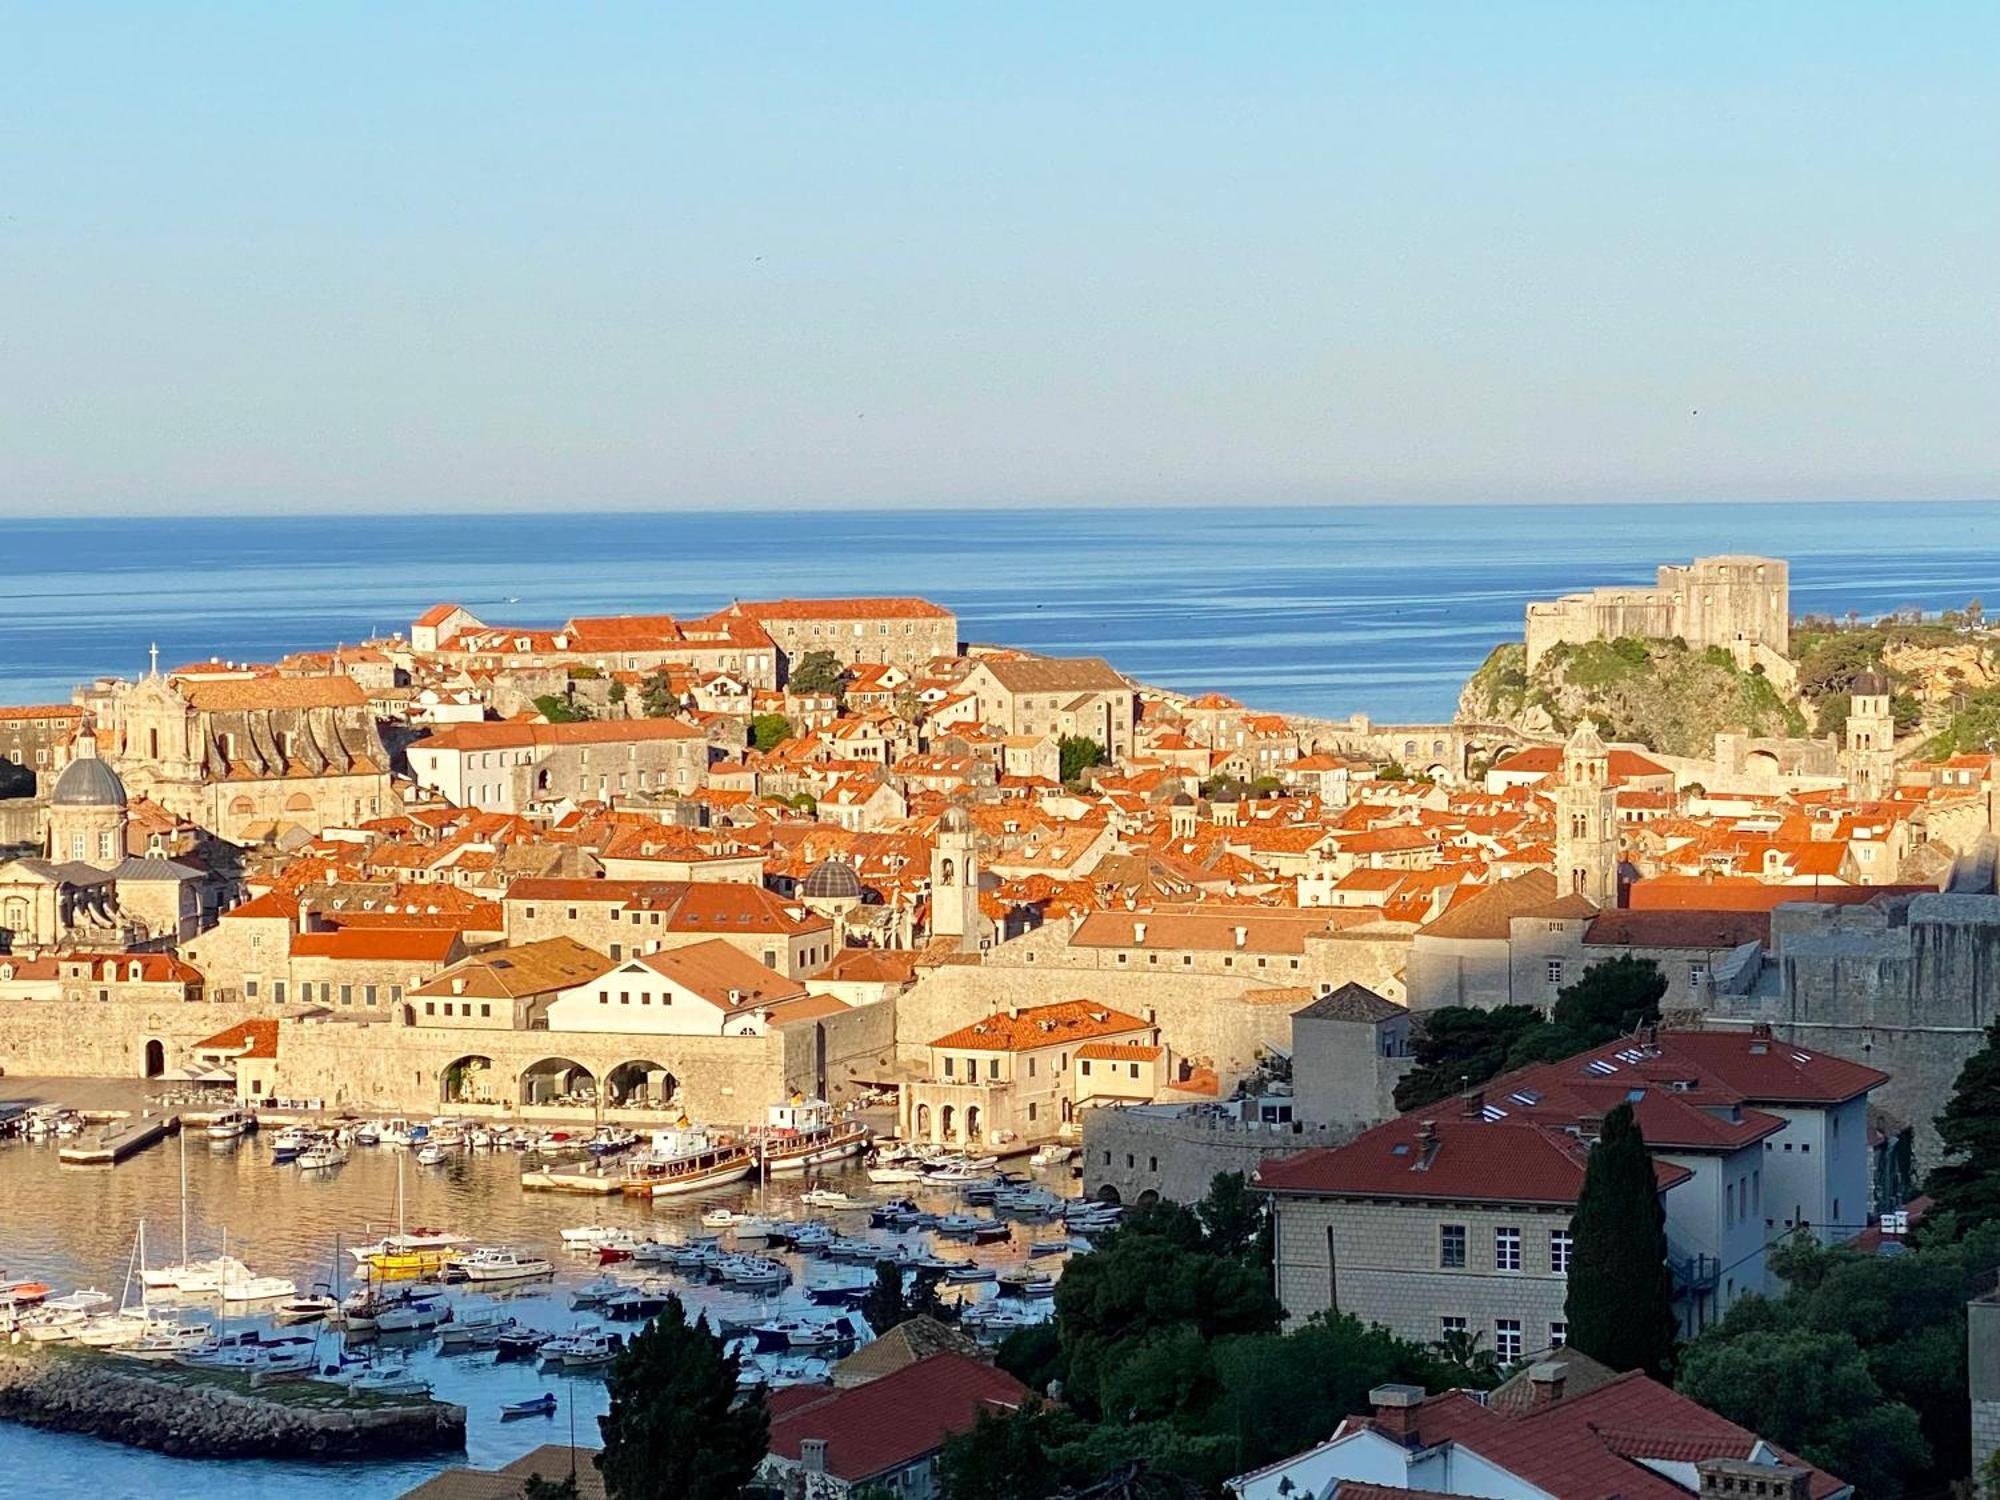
{"x":1742,"y":604}
{"x":35,"y":738}
{"x":1870,"y":762}
{"x":1038,"y":695}
{"x":627,"y":918}
{"x":248,"y":757}
{"x":1586,"y":813}
{"x":1350,"y":1048}
{"x":906,"y":633}
{"x":518,"y":765}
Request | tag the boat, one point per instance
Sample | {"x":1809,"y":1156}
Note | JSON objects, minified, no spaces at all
{"x":543,"y":1405}
{"x":364,"y":1310}
{"x":132,"y":1321}
{"x":306,"y":1309}
{"x":594,"y":1293}
{"x":894,"y":1175}
{"x":753,"y":1273}
{"x":590,"y":1236}
{"x":409,"y":1252}
{"x":1053,"y":1154}
{"x":432,"y":1156}
{"x":999,"y":1317}
{"x":595,"y":1176}
{"x":51,"y":1325}
{"x":721,"y":1218}
{"x":388,"y":1380}
{"x":1024,"y":1281}
{"x":805,"y":1333}
{"x":967,"y":1272}
{"x":893,"y":1213}
{"x":367,"y":1133}
{"x":229,"y":1126}
{"x":820,"y":1197}
{"x":803,"y":1133}
{"x":322,"y":1157}
{"x":285,"y":1355}
{"x":475,"y":1323}
{"x":494,"y":1264}
{"x":243,"y":1287}
{"x":291,"y":1142}
{"x":686,"y":1159}
{"x":418,"y":1312}
{"x":23,"y":1293}
{"x":519,"y":1342}
{"x":584,"y":1349}
{"x":168,"y":1340}
{"x":751,"y":1231}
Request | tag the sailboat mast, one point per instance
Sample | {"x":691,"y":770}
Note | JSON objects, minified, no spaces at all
{"x":184,"y":1196}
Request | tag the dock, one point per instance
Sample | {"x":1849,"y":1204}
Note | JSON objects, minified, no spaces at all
{"x":116,"y":1141}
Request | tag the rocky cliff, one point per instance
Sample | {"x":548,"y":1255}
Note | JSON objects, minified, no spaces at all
{"x":1656,"y":693}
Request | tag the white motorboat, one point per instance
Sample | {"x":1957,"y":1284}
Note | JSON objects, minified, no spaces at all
{"x":751,"y":1231}
{"x":53,"y":1325}
{"x":415,"y":1313}
{"x":720,"y":1218}
{"x":494,"y":1264}
{"x":432,"y":1156}
{"x":586,"y":1349}
{"x":169,"y":1340}
{"x":245,"y":1287}
{"x":590,"y":1236}
{"x":1054,"y":1154}
{"x":108,"y":1331}
{"x":229,"y":1126}
{"x":305,"y":1309}
{"x":476,"y":1323}
{"x":886,"y":1176}
{"x":323,"y":1157}
{"x":84,"y":1302}
{"x":388,"y":1380}
{"x":287,"y":1354}
{"x":1024,"y":1281}
{"x":820,"y":1197}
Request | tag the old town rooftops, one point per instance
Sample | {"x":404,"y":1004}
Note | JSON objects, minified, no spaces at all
{"x":726,"y":977}
{"x":1489,"y":911}
{"x":686,"y":906}
{"x":378,"y":944}
{"x":1055,"y":674}
{"x":886,"y":1424}
{"x":887,"y":608}
{"x":523,"y":734}
{"x":274,"y":692}
{"x":1025,"y":1028}
{"x":1440,"y":1154}
{"x":1221,"y":929}
{"x":251,"y":1040}
{"x":523,"y":970}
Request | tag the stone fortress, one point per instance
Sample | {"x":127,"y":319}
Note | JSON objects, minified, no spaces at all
{"x":1740,"y":603}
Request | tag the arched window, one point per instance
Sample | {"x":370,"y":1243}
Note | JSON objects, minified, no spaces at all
{"x":947,"y":873}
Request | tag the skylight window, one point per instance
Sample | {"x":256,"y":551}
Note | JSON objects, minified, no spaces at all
{"x":1600,"y":1067}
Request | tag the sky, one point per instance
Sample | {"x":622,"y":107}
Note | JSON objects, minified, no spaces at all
{"x":283,"y":258}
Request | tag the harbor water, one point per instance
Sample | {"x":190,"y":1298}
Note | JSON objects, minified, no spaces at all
{"x":75,"y":1226}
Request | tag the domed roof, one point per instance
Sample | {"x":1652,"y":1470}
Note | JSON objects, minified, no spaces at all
{"x":1869,"y":684}
{"x":1181,"y":799}
{"x":88,"y":782}
{"x":1225,"y":794}
{"x":831,"y":880}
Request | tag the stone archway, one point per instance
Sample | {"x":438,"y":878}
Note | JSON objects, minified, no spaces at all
{"x":558,"y":1080}
{"x":640,"y":1084}
{"x":467,"y":1081}
{"x":947,"y":1120}
{"x":923,"y":1122}
{"x":971,"y":1122}
{"x":1109,"y":1194}
{"x":156,"y":1058}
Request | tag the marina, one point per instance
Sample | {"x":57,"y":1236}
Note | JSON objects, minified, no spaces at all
{"x":113,"y":1142}
{"x":506,"y":1302}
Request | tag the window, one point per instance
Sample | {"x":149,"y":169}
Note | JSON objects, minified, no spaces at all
{"x":1507,"y":1339}
{"x":485,"y":1010}
{"x":1083,"y":1067}
{"x":1451,"y":1246}
{"x":1558,"y":1335}
{"x":604,"y":997}
{"x":1031,"y":1111}
{"x":992,"y":1067}
{"x":947,"y":1067}
{"x":1031,"y":1070}
{"x":1555,"y":968}
{"x":1448,"y":1325}
{"x":1507,"y":1251}
{"x":1559,"y":1251}
{"x":250,"y":989}
{"x":368,"y":994}
{"x":1135,"y":1070}
{"x":430,"y":1007}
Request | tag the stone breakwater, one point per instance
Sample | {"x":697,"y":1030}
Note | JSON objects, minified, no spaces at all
{"x":191,"y":1414}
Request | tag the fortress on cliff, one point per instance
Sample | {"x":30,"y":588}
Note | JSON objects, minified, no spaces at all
{"x":1742,"y":604}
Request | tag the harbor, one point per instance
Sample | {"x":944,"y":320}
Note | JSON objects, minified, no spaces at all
{"x":545,"y":1284}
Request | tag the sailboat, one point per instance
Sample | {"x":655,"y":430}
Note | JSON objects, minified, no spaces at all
{"x":317,"y":1304}
{"x":406,"y":1253}
{"x":131,"y":1322}
{"x":189,"y":1275}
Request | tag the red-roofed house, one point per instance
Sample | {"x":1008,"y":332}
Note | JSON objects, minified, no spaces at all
{"x":1626,"y":1436}
{"x":827,"y":1442}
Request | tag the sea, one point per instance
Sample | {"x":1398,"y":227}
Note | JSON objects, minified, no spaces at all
{"x":1382,"y":610}
{"x":1330,"y":612}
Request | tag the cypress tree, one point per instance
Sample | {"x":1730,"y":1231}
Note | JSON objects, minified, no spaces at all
{"x":1620,"y":1304}
{"x":676,"y":1430}
{"x":1967,"y":1182}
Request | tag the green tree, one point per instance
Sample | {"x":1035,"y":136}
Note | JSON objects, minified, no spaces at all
{"x":538,"y":1488}
{"x":768,"y":731}
{"x":1079,"y":753}
{"x":616,"y":693}
{"x":817,"y":672}
{"x":657,"y":698}
{"x":559,"y":710}
{"x":676,"y":1430}
{"x":1235,"y":1217}
{"x":885,"y":1305}
{"x":1007,"y":1455}
{"x":1810,"y":1392}
{"x":1611,"y":999}
{"x":1457,"y":1046}
{"x":1620,"y":1302}
{"x":1966,"y":1183}
{"x":1461,"y":1352}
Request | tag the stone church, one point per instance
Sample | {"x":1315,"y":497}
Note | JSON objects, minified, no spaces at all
{"x":248,"y":758}
{"x":86,"y":889}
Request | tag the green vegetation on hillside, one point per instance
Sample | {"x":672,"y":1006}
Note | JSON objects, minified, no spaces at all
{"x":1658,"y":693}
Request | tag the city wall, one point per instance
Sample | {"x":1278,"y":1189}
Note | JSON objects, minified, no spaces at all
{"x":1177,"y":1154}
{"x":53,"y":1039}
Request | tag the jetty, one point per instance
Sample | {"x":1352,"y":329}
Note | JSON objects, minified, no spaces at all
{"x":191,"y":1413}
{"x":117,"y":1140}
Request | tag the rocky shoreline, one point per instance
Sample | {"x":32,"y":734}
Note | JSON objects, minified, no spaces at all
{"x":190,"y":1414}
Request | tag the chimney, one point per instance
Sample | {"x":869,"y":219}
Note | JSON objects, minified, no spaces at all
{"x":1427,"y":1145}
{"x":1395,"y":1411}
{"x":458,"y":986}
{"x":1746,"y":1479}
{"x":1761,"y":1029}
{"x":1138,"y":932}
{"x":1546,"y":1381}
{"x":1242,"y":936}
{"x":1474,"y":1103}
{"x":812,"y":1455}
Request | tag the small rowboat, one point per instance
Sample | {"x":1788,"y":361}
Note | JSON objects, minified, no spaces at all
{"x":543,"y":1405}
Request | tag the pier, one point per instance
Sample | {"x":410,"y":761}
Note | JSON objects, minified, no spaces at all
{"x":117,"y":1140}
{"x":216,"y":1414}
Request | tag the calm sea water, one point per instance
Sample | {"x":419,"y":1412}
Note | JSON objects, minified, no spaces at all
{"x":74,"y":1226}
{"x":1381,"y":610}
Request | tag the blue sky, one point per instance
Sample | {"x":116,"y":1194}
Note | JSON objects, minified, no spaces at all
{"x":418,"y":256}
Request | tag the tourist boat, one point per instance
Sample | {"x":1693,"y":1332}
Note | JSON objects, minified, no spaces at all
{"x":803,"y":1133}
{"x":543,"y":1405}
{"x":408,"y":1252}
{"x":229,"y":1126}
{"x":495,"y":1264}
{"x":322,"y":1157}
{"x":820,"y":1197}
{"x":1053,"y":1154}
{"x":686,"y":1159}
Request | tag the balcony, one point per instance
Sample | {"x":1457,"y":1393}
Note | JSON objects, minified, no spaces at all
{"x":1693,"y":1274}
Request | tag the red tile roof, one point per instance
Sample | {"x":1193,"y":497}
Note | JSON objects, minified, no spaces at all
{"x":248,"y":1039}
{"x":844,"y":609}
{"x":874,"y":1428}
{"x":378,"y":944}
{"x":1022,"y":1030}
{"x":518,"y":733}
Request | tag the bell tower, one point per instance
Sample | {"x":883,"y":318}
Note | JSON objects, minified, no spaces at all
{"x":1871,"y":739}
{"x":1587,"y":822}
{"x":955,"y":882}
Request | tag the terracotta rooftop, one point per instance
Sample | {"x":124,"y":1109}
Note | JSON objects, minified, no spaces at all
{"x":885,"y":1424}
{"x":275,"y":692}
{"x":380,"y":944}
{"x":1487,"y":913}
{"x":257,"y":1040}
{"x":1029,"y":1027}
{"x":523,"y":970}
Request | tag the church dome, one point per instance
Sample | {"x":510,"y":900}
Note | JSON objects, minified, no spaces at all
{"x":1869,"y":684}
{"x":88,"y":782}
{"x":831,"y":880}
